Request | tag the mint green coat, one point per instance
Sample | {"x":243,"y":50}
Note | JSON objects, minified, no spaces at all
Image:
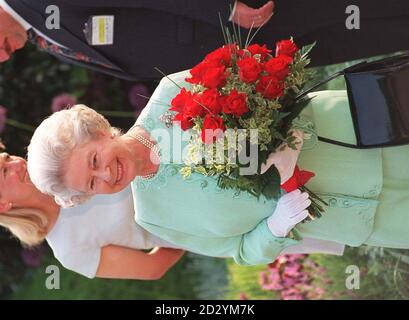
{"x":368,"y":203}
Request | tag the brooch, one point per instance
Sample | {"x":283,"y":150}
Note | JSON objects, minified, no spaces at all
{"x":167,"y":118}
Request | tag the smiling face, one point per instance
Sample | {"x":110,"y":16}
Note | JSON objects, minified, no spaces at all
{"x":12,"y":36}
{"x":101,"y":166}
{"x":16,"y":188}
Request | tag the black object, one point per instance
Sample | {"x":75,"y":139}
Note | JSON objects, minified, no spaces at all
{"x":378,"y":94}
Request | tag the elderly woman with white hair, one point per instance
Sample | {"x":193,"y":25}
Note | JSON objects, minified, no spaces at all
{"x":75,"y":154}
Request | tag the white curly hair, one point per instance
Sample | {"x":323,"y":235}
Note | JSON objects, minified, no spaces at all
{"x":52,"y":144}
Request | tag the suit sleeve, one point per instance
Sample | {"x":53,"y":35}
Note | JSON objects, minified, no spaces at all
{"x":203,"y":10}
{"x":258,"y":246}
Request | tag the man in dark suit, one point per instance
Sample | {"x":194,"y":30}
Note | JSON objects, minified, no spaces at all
{"x":172,"y":35}
{"x":176,"y":34}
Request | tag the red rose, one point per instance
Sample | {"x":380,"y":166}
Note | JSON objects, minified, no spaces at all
{"x":193,"y":109}
{"x":197,"y":73}
{"x":286,"y":47}
{"x":221,"y":56}
{"x":270,"y":87}
{"x":184,"y":121}
{"x":243,"y":54}
{"x":235,"y":103}
{"x":298,"y":179}
{"x":187,"y":106}
{"x":179,"y":102}
{"x":213,"y":127}
{"x":278,"y":66}
{"x":209,"y":99}
{"x":208,"y":75}
{"x":214,"y":77}
{"x":256,"y":49}
{"x":249,"y":69}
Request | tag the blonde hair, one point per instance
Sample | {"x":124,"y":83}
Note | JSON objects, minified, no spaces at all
{"x":28,"y":225}
{"x":52,"y":144}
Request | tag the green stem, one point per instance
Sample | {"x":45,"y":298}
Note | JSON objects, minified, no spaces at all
{"x":118,"y":114}
{"x":314,"y":195}
{"x":20,"y":125}
{"x":294,"y":234}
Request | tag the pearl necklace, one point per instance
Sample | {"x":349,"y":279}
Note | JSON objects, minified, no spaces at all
{"x":150,"y":145}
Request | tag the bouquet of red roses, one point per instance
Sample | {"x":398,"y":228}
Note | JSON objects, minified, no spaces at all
{"x":241,"y":100}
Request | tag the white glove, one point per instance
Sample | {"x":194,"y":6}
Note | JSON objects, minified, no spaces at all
{"x":290,"y":210}
{"x":285,"y":160}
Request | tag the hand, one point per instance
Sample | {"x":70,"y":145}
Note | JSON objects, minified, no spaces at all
{"x":290,"y":210}
{"x":285,"y":160}
{"x":247,"y":17}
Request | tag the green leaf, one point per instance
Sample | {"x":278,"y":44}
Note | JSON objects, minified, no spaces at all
{"x":271,"y":183}
{"x":307,"y":49}
{"x":296,"y":110}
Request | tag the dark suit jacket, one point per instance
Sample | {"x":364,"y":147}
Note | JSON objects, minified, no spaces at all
{"x":176,"y":34}
{"x":383,"y":27}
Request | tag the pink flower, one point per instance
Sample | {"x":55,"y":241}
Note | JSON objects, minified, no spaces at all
{"x":292,"y":270}
{"x":292,"y":294}
{"x":319,"y":291}
{"x":271,"y":282}
{"x":279,"y":261}
{"x":3,"y":118}
{"x":243,"y":296}
{"x":295,"y":257}
{"x":289,"y":282}
{"x":62,"y":101}
{"x":263,"y":278}
{"x":292,"y":276}
{"x":32,"y":257}
{"x":134,"y":97}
